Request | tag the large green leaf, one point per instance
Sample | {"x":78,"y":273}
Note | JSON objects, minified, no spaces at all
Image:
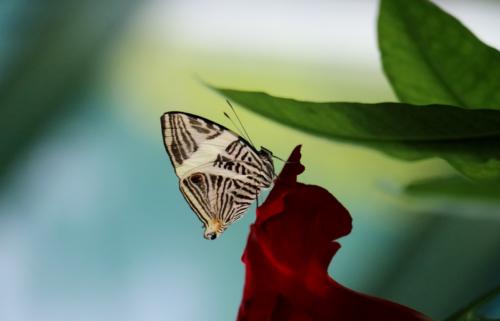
{"x":468,"y":139}
{"x":472,"y":311}
{"x":430,"y":57}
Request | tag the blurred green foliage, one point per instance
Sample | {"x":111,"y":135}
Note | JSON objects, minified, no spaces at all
{"x":453,"y":187}
{"x":59,"y":45}
{"x":473,"y":311}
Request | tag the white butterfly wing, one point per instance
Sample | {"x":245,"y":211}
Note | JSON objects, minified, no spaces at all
{"x":220,"y":174}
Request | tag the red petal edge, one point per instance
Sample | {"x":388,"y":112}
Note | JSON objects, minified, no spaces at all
{"x":288,"y":251}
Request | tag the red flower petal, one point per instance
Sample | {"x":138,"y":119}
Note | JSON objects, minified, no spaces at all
{"x":288,"y":251}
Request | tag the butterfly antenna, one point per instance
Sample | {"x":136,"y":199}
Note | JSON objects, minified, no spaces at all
{"x":284,"y":161}
{"x":239,"y":121}
{"x":279,"y":158}
{"x":234,"y":124}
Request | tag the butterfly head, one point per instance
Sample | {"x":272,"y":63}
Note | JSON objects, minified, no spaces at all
{"x":264,"y":152}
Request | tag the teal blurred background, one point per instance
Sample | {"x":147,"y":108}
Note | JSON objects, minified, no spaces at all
{"x":92,"y":225}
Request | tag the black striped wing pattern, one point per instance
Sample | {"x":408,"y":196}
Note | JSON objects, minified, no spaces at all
{"x":220,"y":173}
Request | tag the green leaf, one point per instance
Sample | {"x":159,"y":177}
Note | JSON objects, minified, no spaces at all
{"x":472,"y":313}
{"x":430,"y":57}
{"x":468,"y":139}
{"x":454,"y":187}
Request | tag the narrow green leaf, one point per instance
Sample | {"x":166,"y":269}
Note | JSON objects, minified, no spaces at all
{"x":472,"y":311}
{"x":468,"y":139}
{"x":454,"y":187}
{"x":430,"y":57}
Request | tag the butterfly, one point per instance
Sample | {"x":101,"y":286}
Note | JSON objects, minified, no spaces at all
{"x":220,"y":173}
